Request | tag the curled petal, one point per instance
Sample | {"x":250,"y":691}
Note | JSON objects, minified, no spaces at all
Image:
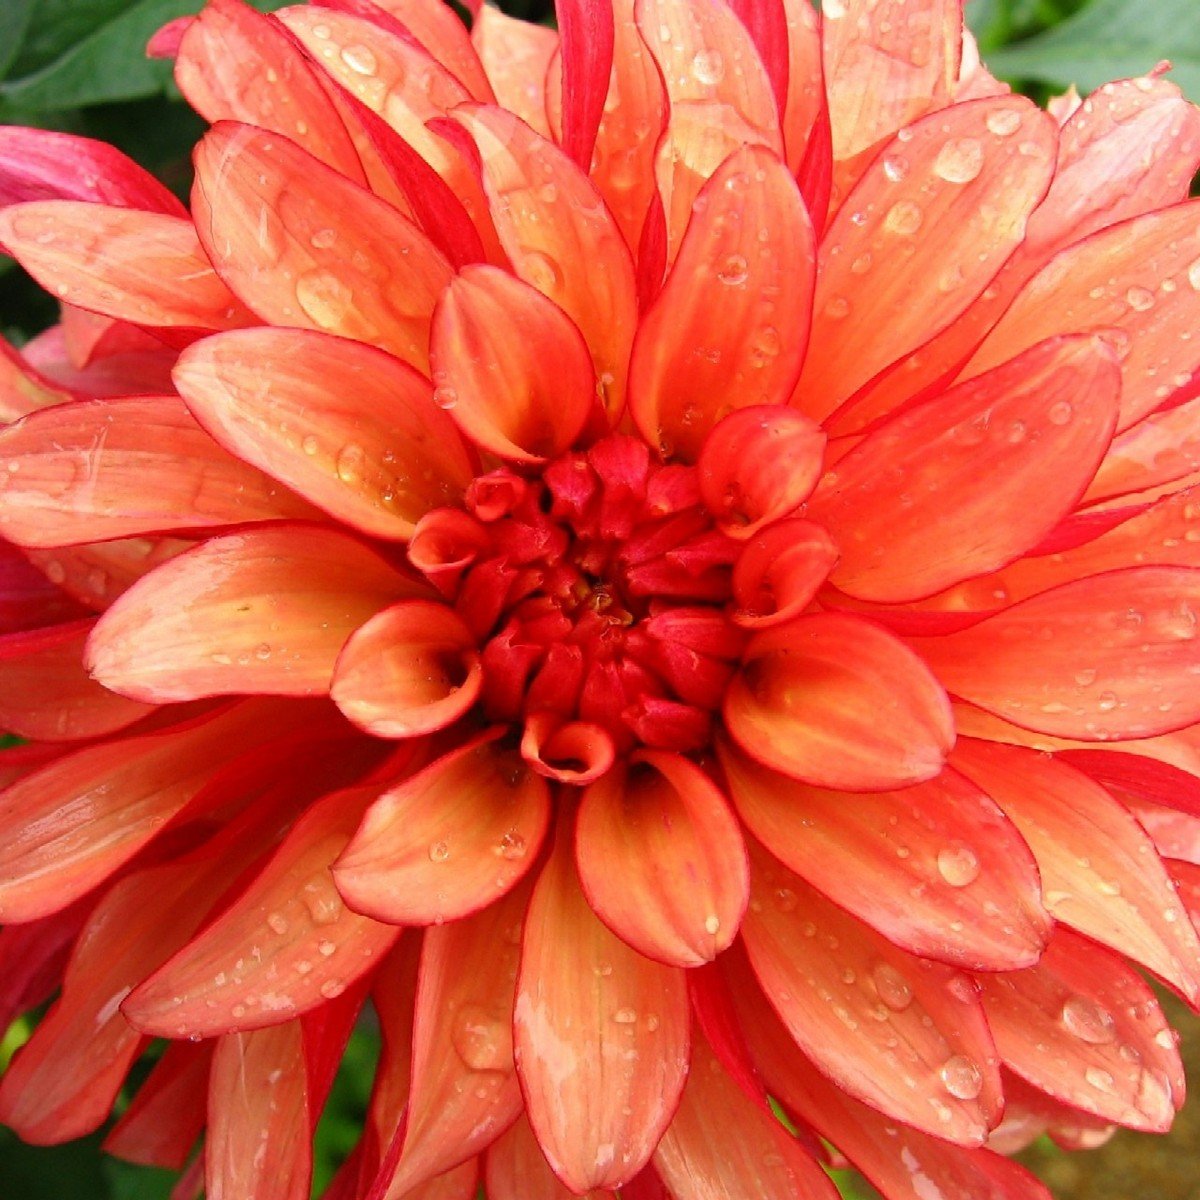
{"x":839,"y":702}
{"x":510,"y":366}
{"x":570,"y":751}
{"x":410,"y":670}
{"x":729,"y":329}
{"x":449,"y":840}
{"x":758,"y":465}
{"x":779,"y":572}
{"x":683,"y":883}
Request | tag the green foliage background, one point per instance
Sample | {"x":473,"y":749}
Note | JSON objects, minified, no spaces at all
{"x":78,"y":65}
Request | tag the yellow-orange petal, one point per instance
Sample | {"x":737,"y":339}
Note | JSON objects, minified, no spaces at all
{"x":303,"y":246}
{"x":601,"y":1036}
{"x":839,"y":702}
{"x":510,"y":366}
{"x":449,"y":840}
{"x":729,"y":328}
{"x":683,"y":881}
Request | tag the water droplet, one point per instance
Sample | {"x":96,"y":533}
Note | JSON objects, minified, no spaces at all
{"x":1193,"y":275}
{"x":1060,"y":413}
{"x":1088,"y":1021}
{"x":278,"y":922}
{"x":904,"y":217}
{"x":511,"y":846}
{"x":961,"y":1077}
{"x":332,"y":988}
{"x":438,"y":852}
{"x":712,"y":923}
{"x":326,"y":948}
{"x":958,"y":865}
{"x":445,"y":397}
{"x":959,"y":160}
{"x":481,"y":1039}
{"x":837,"y":307}
{"x":359,"y":58}
{"x":891,"y":986}
{"x":310,"y":445}
{"x":708,"y":67}
{"x":624,"y":1016}
{"x":895,"y":167}
{"x":540,"y":270}
{"x":734,"y":271}
{"x":1107,"y":701}
{"x":1140,"y":299}
{"x":1004,"y":122}
{"x":1100,"y":1079}
{"x":1166,"y":1039}
{"x":350,"y":462}
{"x":323,"y":238}
{"x":786,"y":900}
{"x":262,"y":652}
{"x":324,"y":298}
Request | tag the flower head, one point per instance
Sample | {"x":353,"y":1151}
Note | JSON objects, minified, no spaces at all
{"x":665,"y":554}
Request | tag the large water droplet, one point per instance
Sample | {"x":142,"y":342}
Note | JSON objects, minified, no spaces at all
{"x":958,"y":865}
{"x":481,"y":1039}
{"x":511,"y":846}
{"x":1004,"y":122}
{"x":734,"y":271}
{"x":351,"y":460}
{"x":891,"y":986}
{"x":324,"y":298}
{"x":438,"y":852}
{"x":1088,"y":1021}
{"x":1100,"y":1079}
{"x":625,"y":1016}
{"x":904,"y":217}
{"x":961,"y":1077}
{"x":360,"y":59}
{"x":959,"y":160}
{"x":1140,"y":299}
{"x":708,"y":67}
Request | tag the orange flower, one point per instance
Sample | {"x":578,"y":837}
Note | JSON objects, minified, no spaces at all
{"x":666,"y":555}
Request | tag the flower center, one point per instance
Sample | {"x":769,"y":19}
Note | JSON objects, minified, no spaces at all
{"x":597,"y":594}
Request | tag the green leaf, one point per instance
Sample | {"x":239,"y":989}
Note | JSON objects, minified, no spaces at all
{"x":1110,"y":39}
{"x":56,"y":25}
{"x":14,"y":25}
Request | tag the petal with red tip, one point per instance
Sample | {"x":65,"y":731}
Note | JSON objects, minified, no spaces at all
{"x":1112,"y":1052}
{"x":449,"y":840}
{"x":551,"y":221}
{"x":758,"y":465}
{"x":729,"y":329}
{"x":722,"y":1144}
{"x":349,"y":427}
{"x":779,"y":572}
{"x":1100,"y":874}
{"x":464,"y":1087}
{"x":303,"y":246}
{"x":411,"y":669}
{"x":983,"y":473}
{"x":1110,"y":656}
{"x":45,"y":693}
{"x":948,"y":204}
{"x":287,"y":943}
{"x":144,"y":267}
{"x":585,"y":30}
{"x":510,"y":366}
{"x":238,"y":64}
{"x":841,"y":703}
{"x":95,"y":470}
{"x":600,"y":1036}
{"x":517,"y":1170}
{"x":682,"y":885}
{"x":936,"y":868}
{"x":899,"y":1035}
{"x":258,"y":1141}
{"x":264,"y":612}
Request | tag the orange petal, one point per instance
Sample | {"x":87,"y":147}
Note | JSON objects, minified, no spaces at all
{"x":303,"y":246}
{"x":95,"y":470}
{"x":229,"y":67}
{"x":144,"y":267}
{"x":600,"y":1036}
{"x":515,"y":55}
{"x":758,"y":465}
{"x":258,"y":1141}
{"x":722,"y":1144}
{"x":46,"y":694}
{"x":887,"y":64}
{"x":1159,"y":449}
{"x":1111,"y":656}
{"x":779,"y":572}
{"x":805,"y":83}
{"x":517,"y":1168}
{"x":376,"y":453}
{"x":575,"y":752}
{"x":937,"y":868}
{"x":983,"y":473}
{"x":661,"y":859}
{"x":1100,"y":872}
{"x":449,"y":840}
{"x":560,"y":239}
{"x":287,"y":944}
{"x":510,"y":366}
{"x":839,"y":702}
{"x":97,"y":573}
{"x":1133,"y":283}
{"x":411,"y":669}
{"x":945,"y":203}
{"x":729,"y":328}
{"x":1113,"y":1053}
{"x":464,"y":1085}
{"x":266,"y":611}
{"x":905,"y":1035}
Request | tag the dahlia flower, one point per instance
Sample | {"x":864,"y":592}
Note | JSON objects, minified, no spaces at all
{"x":664,"y":557}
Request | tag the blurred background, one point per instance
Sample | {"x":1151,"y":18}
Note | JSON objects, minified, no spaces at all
{"x":77,"y":65}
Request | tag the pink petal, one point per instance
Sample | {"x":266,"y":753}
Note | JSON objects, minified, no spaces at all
{"x":266,"y":611}
{"x":937,"y":868}
{"x":780,"y":571}
{"x":728,"y":329}
{"x":586,"y":38}
{"x":286,"y":945}
{"x":839,"y":702}
{"x":1113,"y":1053}
{"x":1111,"y":656}
{"x":378,"y":455}
{"x":449,"y":840}
{"x":983,"y":473}
{"x":144,"y":267}
{"x":600,"y":1037}
{"x":946,"y":203}
{"x":511,"y":368}
{"x":268,"y":212}
{"x":1100,"y":874}
{"x":96,"y":470}
{"x":682,"y":883}
{"x":905,"y":1035}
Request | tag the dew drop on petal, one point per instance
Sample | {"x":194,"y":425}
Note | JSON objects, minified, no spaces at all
{"x":1085,"y":1019}
{"x":961,"y":1077}
{"x":1060,"y":413}
{"x":310,"y":445}
{"x":708,"y":67}
{"x":511,"y":846}
{"x":958,"y":865}
{"x":734,"y":271}
{"x":360,"y":59}
{"x":324,"y":298}
{"x":904,"y":217}
{"x":1140,"y":299}
{"x":895,"y":167}
{"x":445,"y":397}
{"x":1004,"y":122}
{"x":438,"y":852}
{"x":277,"y":922}
{"x":482,"y":1041}
{"x":350,"y":462}
{"x":1100,"y":1079}
{"x":625,"y":1016}
{"x":712,"y":923}
{"x":959,"y":160}
{"x":891,"y":986}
